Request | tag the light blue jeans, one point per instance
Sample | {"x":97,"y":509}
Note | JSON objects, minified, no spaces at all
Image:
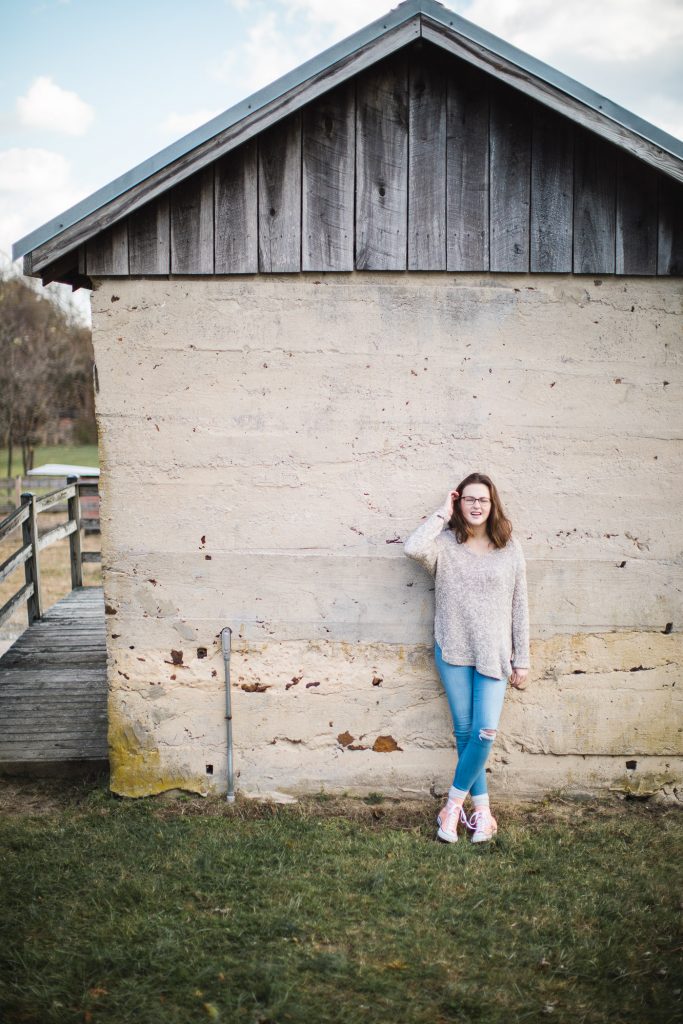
{"x":476,"y":702}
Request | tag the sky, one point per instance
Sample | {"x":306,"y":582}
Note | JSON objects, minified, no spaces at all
{"x":90,"y":88}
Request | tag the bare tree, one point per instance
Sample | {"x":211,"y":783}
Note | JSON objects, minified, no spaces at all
{"x":45,"y":368}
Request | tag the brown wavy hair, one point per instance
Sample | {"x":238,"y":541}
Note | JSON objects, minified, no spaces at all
{"x":498,"y":526}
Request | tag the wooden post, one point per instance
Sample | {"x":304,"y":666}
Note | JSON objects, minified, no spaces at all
{"x":74,"y":506}
{"x":29,"y":529}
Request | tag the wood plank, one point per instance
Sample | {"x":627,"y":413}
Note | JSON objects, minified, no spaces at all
{"x":382,"y":167}
{"x":149,"y":238}
{"x":14,"y":561}
{"x":594,"y":205}
{"x":636,"y":217}
{"x":328,"y":187}
{"x":25,"y":689}
{"x":37,"y":662}
{"x":50,"y":717}
{"x":14,"y":520}
{"x":46,"y":750}
{"x":467,"y":170}
{"x":27,"y":703}
{"x":236,"y":211}
{"x":670,"y":246}
{"x":54,"y":498}
{"x":107,"y":253}
{"x":191,"y":212}
{"x":426,"y":163}
{"x":510,"y":147}
{"x":279,"y":197}
{"x":59,"y":723}
{"x":80,"y":643}
{"x":13,"y":603}
{"x":552,"y":192}
{"x":57,"y":533}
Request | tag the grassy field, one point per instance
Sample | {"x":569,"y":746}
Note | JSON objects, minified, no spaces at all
{"x":76,"y":455}
{"x":333,"y":910}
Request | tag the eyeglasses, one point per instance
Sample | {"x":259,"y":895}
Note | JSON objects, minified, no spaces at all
{"x":473,"y":501}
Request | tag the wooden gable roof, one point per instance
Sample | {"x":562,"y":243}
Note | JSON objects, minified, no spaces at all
{"x":420,"y":143}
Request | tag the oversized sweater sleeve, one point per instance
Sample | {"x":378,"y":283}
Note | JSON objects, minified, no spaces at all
{"x":520,"y":615}
{"x":422,"y":542}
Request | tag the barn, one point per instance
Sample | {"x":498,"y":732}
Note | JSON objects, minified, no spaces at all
{"x":421,"y":253}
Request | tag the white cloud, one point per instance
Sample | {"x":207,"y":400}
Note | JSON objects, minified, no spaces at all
{"x":264,"y":53}
{"x":342,"y":18}
{"x":271,"y":47}
{"x":48,"y":106}
{"x":177,"y":125}
{"x":613,"y":30}
{"x":664,"y":112}
{"x":35,"y":185}
{"x":27,"y":170}
{"x":620,"y":30}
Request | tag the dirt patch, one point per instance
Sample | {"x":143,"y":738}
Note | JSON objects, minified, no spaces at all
{"x":26,"y":797}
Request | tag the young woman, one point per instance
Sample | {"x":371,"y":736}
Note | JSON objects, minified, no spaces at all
{"x":481,"y":632}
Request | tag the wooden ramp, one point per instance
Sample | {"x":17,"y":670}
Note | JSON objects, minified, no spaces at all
{"x":53,"y":690}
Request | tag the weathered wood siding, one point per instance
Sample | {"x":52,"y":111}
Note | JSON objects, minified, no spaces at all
{"x":421,"y":162}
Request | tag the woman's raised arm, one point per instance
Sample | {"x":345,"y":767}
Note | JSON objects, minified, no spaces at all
{"x":421,"y":544}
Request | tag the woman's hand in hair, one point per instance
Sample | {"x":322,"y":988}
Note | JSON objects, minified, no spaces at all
{"x":518,"y":679}
{"x":448,"y":504}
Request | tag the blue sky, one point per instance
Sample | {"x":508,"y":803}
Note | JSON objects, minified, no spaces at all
{"x":90,"y":88}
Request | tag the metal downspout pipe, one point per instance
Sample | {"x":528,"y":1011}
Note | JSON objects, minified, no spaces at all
{"x":226,"y":639}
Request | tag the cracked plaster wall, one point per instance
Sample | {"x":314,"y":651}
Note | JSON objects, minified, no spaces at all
{"x":267,"y":443}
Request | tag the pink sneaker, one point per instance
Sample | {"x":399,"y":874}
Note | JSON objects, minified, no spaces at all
{"x":484,"y":824}
{"x":448,"y":820}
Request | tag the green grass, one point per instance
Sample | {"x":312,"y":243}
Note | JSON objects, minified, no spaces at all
{"x":76,"y":455}
{"x":344,"y":911}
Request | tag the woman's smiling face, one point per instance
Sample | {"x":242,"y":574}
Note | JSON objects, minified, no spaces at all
{"x":475,"y":504}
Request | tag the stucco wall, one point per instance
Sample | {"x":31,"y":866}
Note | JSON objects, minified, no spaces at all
{"x":268,"y":443}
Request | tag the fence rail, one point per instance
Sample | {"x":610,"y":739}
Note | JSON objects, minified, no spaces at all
{"x":26,"y":517}
{"x":12,"y":487}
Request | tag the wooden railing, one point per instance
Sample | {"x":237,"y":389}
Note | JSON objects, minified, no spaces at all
{"x":11,"y":488}
{"x":32,"y":544}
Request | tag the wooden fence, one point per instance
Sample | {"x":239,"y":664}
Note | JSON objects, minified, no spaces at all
{"x":26,"y":516}
{"x":12,"y":487}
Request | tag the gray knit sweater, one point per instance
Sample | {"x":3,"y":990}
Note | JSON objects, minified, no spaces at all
{"x":481,"y":615}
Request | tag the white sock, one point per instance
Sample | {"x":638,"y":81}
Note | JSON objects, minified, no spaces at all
{"x":480,"y":801}
{"x":456,"y":795}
